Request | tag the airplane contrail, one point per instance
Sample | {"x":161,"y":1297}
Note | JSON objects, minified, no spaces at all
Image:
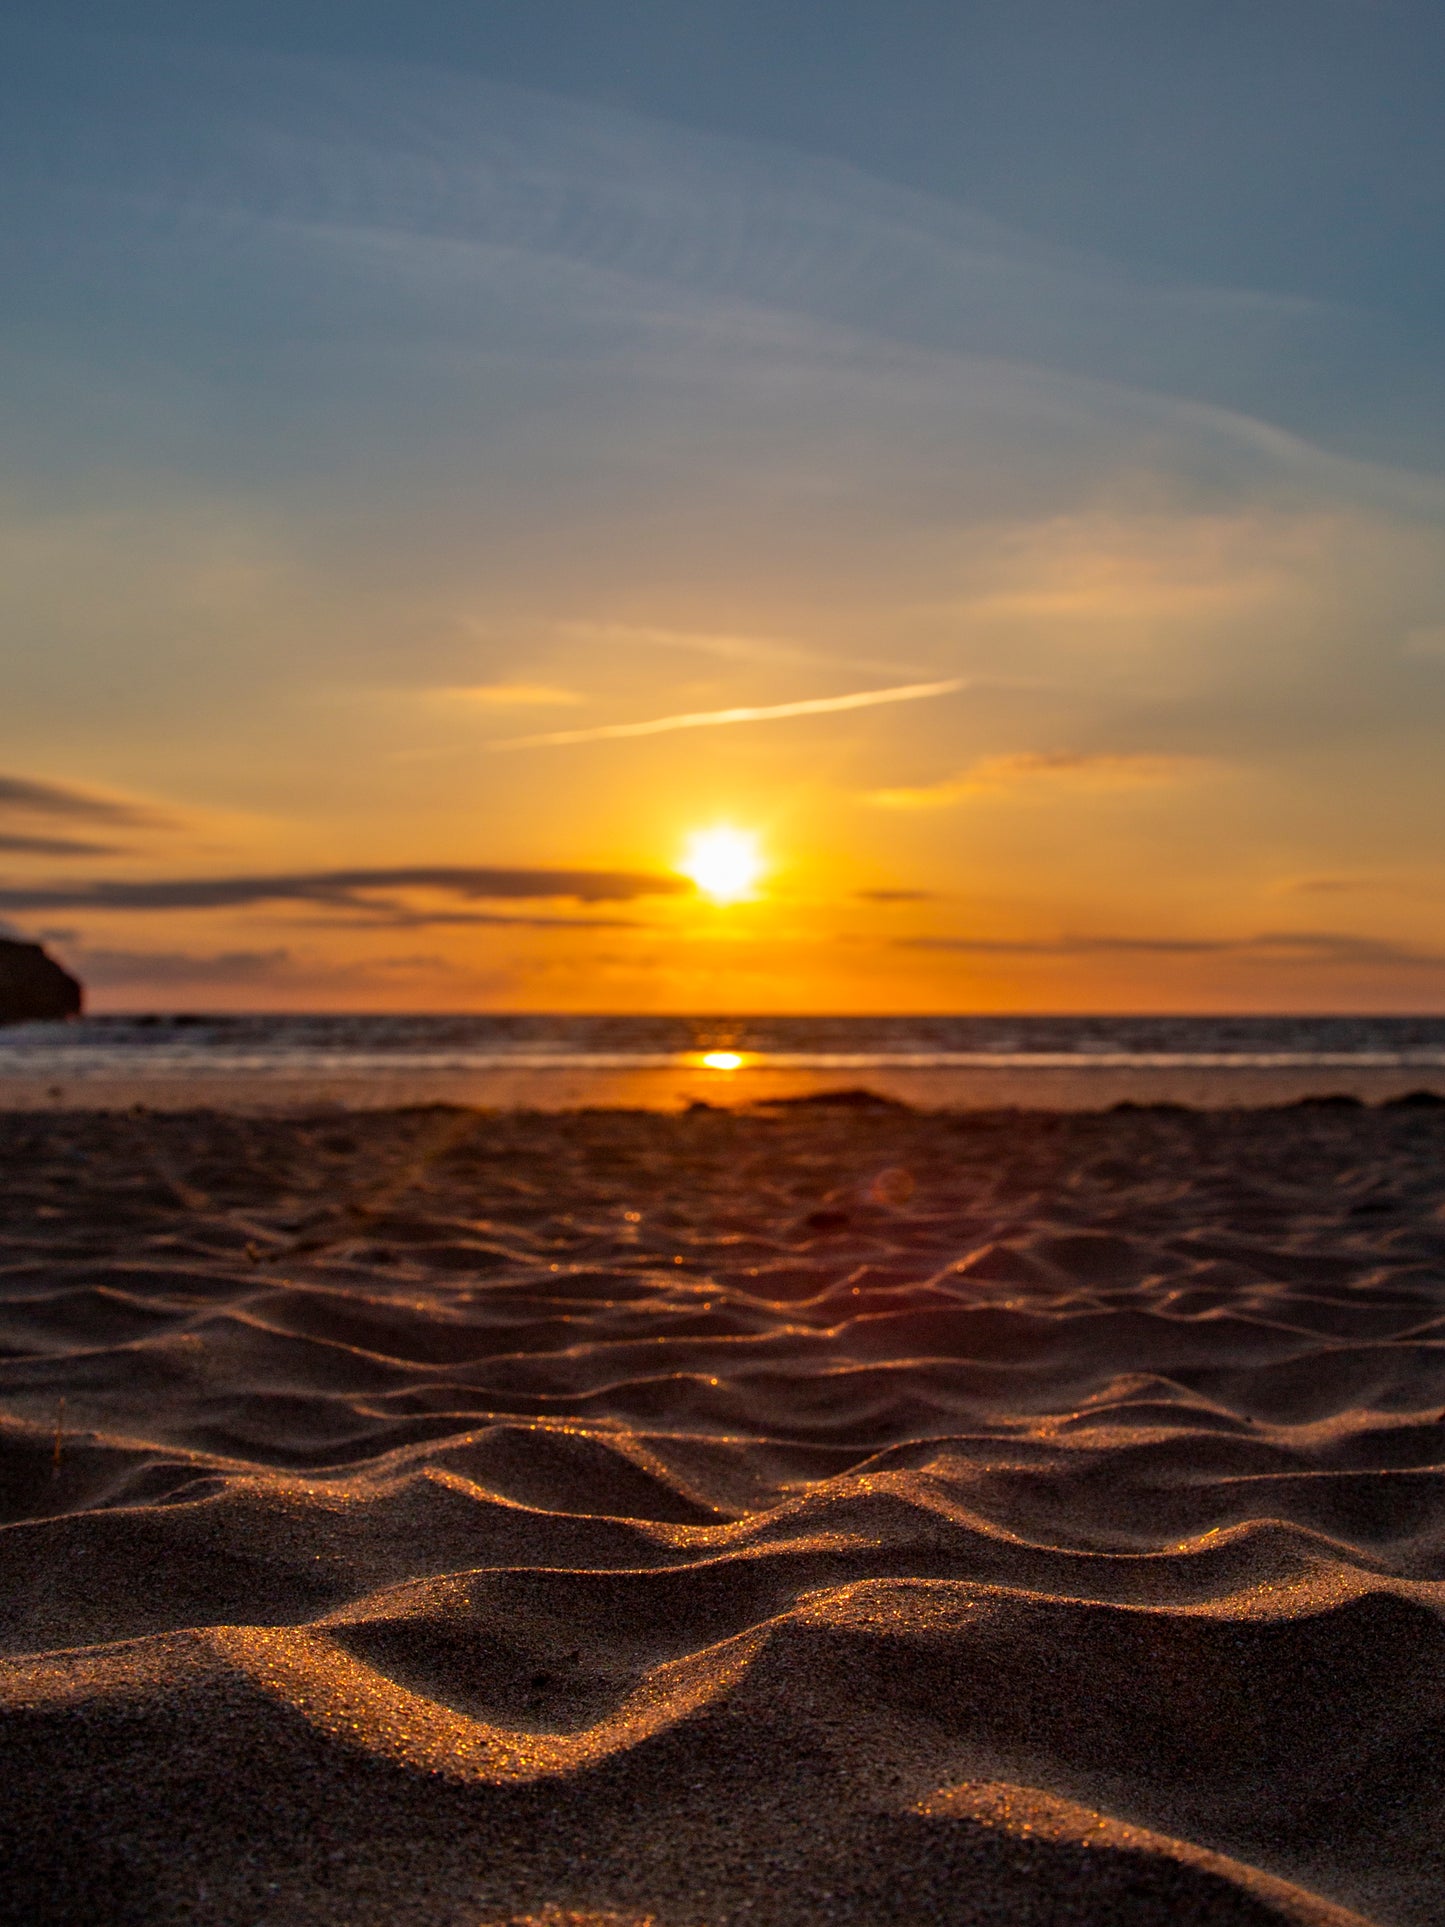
{"x":715,"y":718}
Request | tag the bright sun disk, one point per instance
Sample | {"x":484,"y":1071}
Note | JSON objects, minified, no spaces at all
{"x":725,"y":864}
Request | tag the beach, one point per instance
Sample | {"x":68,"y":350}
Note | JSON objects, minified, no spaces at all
{"x":820,"y":1511}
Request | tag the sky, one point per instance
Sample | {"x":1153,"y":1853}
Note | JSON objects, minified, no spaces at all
{"x":993,"y":454}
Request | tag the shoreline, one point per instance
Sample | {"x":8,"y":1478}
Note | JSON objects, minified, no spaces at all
{"x":1086,"y":1089}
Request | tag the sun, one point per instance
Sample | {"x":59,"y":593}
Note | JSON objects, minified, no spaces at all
{"x":724,"y":863}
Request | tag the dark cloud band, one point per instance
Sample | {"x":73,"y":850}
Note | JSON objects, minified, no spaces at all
{"x":1296,"y":946}
{"x":346,"y":889}
{"x":53,"y":846}
{"x":21,"y":796}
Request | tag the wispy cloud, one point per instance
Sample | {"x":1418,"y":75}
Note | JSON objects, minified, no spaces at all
{"x":158,"y":968}
{"x":396,"y":156}
{"x":1285,"y":946}
{"x":378,"y":914}
{"x":1027,"y":770}
{"x":53,"y":846}
{"x":355,"y":890}
{"x":719,"y":718}
{"x":506,"y":695}
{"x":25,"y":796}
{"x":249,"y":973}
{"x":728,"y":647}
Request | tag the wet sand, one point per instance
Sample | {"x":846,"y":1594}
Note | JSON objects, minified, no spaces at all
{"x":830,"y":1512}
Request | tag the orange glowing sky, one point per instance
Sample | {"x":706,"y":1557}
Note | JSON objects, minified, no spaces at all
{"x":434,"y":500}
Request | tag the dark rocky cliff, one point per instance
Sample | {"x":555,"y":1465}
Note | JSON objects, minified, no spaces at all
{"x":33,"y":986}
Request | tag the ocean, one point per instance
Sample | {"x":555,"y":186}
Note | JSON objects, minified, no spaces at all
{"x":561,"y":1062}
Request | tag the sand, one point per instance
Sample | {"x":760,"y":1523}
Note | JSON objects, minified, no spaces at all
{"x":828,"y":1513}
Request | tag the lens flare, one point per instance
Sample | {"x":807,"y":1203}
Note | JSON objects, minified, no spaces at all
{"x":724,"y":863}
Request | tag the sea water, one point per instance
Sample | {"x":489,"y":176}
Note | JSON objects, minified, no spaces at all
{"x":556,"y":1062}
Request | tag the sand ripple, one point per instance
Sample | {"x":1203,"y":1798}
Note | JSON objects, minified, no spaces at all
{"x":833,"y":1513}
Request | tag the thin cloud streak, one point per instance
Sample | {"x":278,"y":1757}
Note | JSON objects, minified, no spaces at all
{"x":385,"y":916}
{"x":24,"y":796}
{"x":717,"y":718}
{"x":53,"y":846}
{"x":505,"y":695}
{"x":730,"y":648}
{"x":1041,"y":771}
{"x":1286,"y":946}
{"x":343,"y":889}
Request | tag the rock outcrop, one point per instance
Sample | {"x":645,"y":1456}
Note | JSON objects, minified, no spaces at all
{"x":33,"y":986}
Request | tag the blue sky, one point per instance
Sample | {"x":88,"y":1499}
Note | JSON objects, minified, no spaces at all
{"x":388,"y":385}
